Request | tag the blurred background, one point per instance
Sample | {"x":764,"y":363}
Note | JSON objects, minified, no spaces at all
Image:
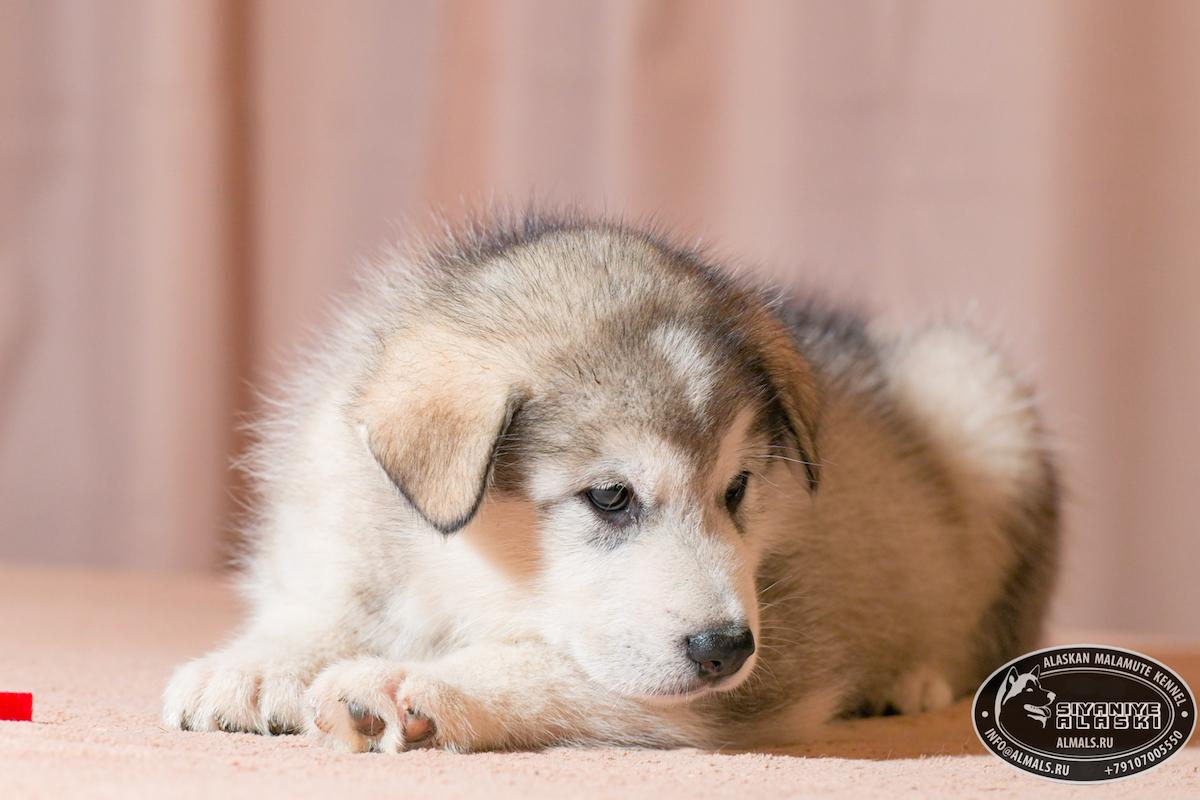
{"x":185,"y":184}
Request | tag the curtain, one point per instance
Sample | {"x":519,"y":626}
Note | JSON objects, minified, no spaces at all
{"x":185,"y":184}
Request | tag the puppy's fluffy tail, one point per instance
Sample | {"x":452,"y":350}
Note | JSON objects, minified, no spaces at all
{"x":979,"y":415}
{"x":981,"y":419}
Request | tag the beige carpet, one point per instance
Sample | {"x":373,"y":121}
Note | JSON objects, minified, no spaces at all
{"x":96,"y":649}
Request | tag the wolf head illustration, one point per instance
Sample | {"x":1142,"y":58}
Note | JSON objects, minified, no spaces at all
{"x":1022,"y":693}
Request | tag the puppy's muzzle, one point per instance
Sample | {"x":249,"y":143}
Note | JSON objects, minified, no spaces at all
{"x":721,"y":652}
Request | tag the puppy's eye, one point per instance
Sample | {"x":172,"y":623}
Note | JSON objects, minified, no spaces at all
{"x":609,"y":499}
{"x":736,"y":491}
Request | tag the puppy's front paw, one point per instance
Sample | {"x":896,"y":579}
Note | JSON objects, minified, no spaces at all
{"x":375,"y":705}
{"x":231,"y":691}
{"x":921,"y":689}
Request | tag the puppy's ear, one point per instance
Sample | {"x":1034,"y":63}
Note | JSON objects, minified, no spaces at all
{"x":793,"y":386}
{"x":1011,"y":678}
{"x":433,"y":426}
{"x":1036,"y":671}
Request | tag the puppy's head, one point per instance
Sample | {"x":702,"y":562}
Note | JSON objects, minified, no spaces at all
{"x":651,"y":415}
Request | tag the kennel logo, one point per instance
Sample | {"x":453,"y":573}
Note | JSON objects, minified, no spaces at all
{"x":1084,"y":713}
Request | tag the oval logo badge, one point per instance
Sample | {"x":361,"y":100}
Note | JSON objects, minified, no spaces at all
{"x":1084,"y":713}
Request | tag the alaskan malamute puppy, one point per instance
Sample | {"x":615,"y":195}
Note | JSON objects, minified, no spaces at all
{"x":561,"y":482}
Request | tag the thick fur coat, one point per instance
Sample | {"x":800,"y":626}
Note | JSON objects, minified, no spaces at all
{"x":561,"y":482}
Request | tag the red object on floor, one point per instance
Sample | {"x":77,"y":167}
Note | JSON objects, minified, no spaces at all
{"x":16,"y":706}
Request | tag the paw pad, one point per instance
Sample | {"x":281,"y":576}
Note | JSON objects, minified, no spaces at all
{"x":366,"y":723}
{"x":416,"y":728}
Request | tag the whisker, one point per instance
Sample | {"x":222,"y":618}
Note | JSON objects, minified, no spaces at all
{"x":774,"y":457}
{"x":772,"y":586}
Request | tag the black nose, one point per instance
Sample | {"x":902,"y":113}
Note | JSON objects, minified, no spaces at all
{"x":720,"y":652}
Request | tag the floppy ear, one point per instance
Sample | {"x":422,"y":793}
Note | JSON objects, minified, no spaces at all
{"x":794,"y":388}
{"x":433,"y":426}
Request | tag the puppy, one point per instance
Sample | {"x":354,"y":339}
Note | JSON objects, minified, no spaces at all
{"x":562,"y":482}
